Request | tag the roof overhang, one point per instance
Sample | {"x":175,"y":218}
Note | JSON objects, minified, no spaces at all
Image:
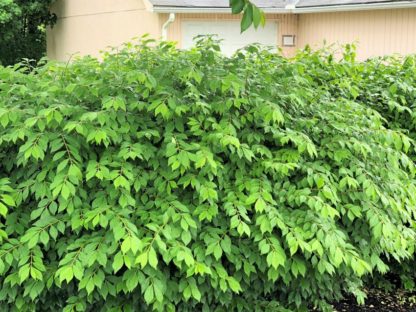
{"x":299,"y":10}
{"x":190,"y":10}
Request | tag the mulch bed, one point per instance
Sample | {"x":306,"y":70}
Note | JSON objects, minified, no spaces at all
{"x":380,"y":301}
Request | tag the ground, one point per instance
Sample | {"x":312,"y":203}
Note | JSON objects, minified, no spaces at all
{"x":380,"y":301}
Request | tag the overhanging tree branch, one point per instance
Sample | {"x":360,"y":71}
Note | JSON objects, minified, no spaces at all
{"x":252,"y":15}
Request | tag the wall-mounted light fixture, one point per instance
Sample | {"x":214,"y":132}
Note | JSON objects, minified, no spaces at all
{"x":288,"y":40}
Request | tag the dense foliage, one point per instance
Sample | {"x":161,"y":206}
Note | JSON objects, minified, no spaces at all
{"x":22,"y":29}
{"x":386,"y":84}
{"x":185,"y":180}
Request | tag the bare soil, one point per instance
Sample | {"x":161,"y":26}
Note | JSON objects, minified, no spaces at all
{"x":380,"y":301}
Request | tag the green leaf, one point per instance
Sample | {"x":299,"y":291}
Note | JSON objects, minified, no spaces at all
{"x":3,"y":210}
{"x":237,"y":6}
{"x":8,"y":200}
{"x":152,"y":257}
{"x":260,"y":205}
{"x":257,"y":16}
{"x":66,"y":273}
{"x":118,"y":262}
{"x":247,"y":19}
{"x":149,"y":295}
{"x":234,"y":285}
{"x":196,"y":294}
{"x":24,"y":273}
{"x":121,"y":181}
{"x":114,"y":102}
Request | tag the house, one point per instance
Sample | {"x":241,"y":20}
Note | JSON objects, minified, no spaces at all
{"x":378,"y":27}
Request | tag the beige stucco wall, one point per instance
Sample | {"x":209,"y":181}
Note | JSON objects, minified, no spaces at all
{"x":88,"y":26}
{"x":377,"y":32}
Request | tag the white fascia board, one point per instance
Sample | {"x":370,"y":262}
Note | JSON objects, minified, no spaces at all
{"x":206,"y":10}
{"x":357,"y":7}
{"x":334,"y":8}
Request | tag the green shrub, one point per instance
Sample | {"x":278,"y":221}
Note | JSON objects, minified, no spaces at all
{"x":386,"y":84}
{"x":184,"y":180}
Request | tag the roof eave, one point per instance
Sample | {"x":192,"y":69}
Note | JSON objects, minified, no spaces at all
{"x":166,"y":9}
{"x":357,"y":7}
{"x":317,"y":9}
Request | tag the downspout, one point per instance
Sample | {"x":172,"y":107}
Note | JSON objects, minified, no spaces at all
{"x":291,"y":6}
{"x":166,"y":25}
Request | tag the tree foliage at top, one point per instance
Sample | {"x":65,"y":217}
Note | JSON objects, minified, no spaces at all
{"x":22,"y":29}
{"x":252,"y":15}
{"x":168,"y":180}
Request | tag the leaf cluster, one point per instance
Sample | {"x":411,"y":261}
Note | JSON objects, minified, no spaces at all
{"x":386,"y":84}
{"x":252,"y":15}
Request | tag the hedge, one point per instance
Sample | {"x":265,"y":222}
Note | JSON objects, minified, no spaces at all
{"x":386,"y":84}
{"x":169,"y":180}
